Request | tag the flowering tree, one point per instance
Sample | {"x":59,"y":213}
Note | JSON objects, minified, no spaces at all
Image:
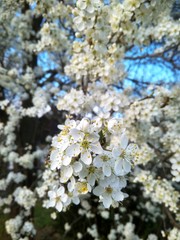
{"x":83,"y":133}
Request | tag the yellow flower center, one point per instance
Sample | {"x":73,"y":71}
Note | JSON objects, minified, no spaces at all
{"x":109,"y":190}
{"x":105,"y":158}
{"x":65,"y":131}
{"x":91,"y":169}
{"x":123,"y":154}
{"x":85,"y":144}
{"x":58,"y":198}
{"x":82,"y":187}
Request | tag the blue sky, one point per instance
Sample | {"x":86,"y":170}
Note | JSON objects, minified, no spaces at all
{"x":154,"y":71}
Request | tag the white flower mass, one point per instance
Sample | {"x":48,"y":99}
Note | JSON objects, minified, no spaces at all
{"x":93,"y":167}
{"x":89,"y":119}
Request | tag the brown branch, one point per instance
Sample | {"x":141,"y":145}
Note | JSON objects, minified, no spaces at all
{"x":171,"y":218}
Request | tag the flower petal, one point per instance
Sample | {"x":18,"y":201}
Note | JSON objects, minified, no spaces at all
{"x":51,"y":203}
{"x":106,"y":170}
{"x":96,"y":148}
{"x":66,"y":160}
{"x":60,"y":191}
{"x":118,"y":196}
{"x":91,"y":179}
{"x":52,"y":194}
{"x":68,"y":171}
{"x":116,"y":152}
{"x":107,"y":201}
{"x":76,"y":200}
{"x":126,"y":166}
{"x":59,"y":206}
{"x":77,"y":134}
{"x":73,"y":150}
{"x":77,"y":166}
{"x":118,"y":168}
{"x":124,"y":141}
{"x":98,"y":162}
{"x":98,"y":190}
{"x":55,"y":164}
{"x":64,"y":198}
{"x":84,"y":124}
{"x":86,"y":157}
{"x":93,"y":137}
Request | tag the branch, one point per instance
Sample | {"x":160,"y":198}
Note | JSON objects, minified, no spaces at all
{"x":161,"y":55}
{"x":171,"y":218}
{"x":153,"y":55}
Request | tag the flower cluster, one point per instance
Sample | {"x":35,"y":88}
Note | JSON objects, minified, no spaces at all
{"x":89,"y":162}
{"x":99,"y":99}
{"x":159,"y":190}
{"x":25,"y":197}
{"x":175,"y":160}
{"x":16,"y":227}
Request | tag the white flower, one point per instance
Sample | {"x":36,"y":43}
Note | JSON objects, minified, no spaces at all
{"x":109,"y":190}
{"x":124,"y":154}
{"x":104,"y":161}
{"x":57,"y":198}
{"x":72,"y":193}
{"x":84,"y":21}
{"x":86,"y":141}
{"x":100,"y":120}
{"x":108,"y":194}
{"x":89,"y":6}
{"x":82,"y":187}
{"x":91,"y":173}
{"x":68,"y":171}
{"x":58,"y":159}
{"x":63,"y":139}
{"x":116,"y":126}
